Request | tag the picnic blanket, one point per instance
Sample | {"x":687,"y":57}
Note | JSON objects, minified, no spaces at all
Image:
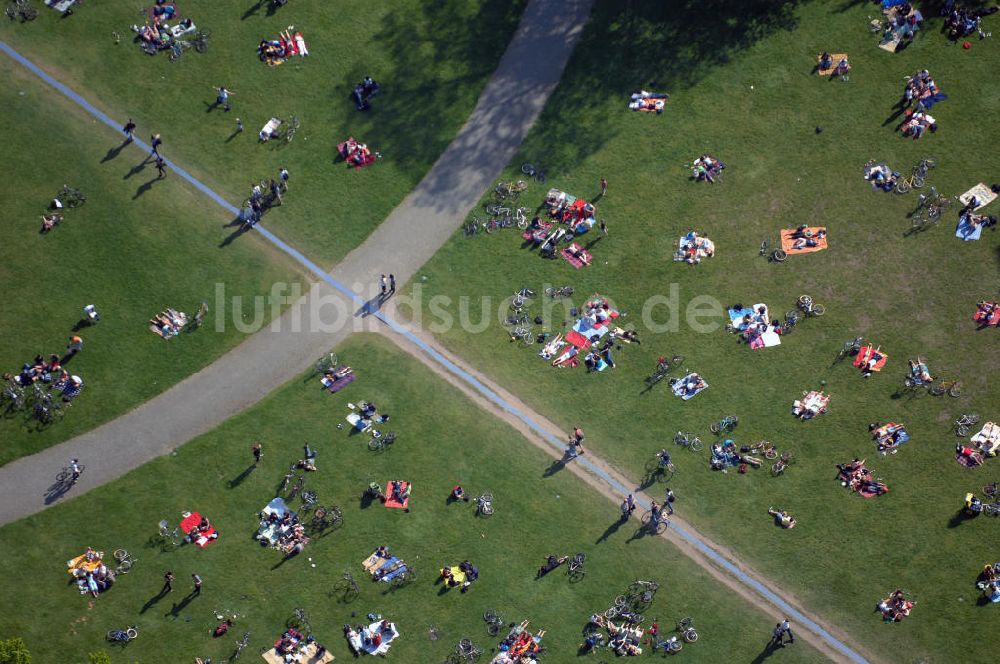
{"x":358,"y":422}
{"x":270,"y":129}
{"x":60,"y":5}
{"x":334,"y":384}
{"x":570,"y":254}
{"x":276,"y":507}
{"x":392,"y":502}
{"x":179,"y":318}
{"x":861,"y":360}
{"x":537,"y":235}
{"x":988,"y":439}
{"x":358,"y":642}
{"x":305,"y":655}
{"x":765,"y":339}
{"x":701,"y":246}
{"x":965,"y":231}
{"x":834,"y":59}
{"x":788,"y":242}
{"x":678,"y":388}
{"x":81,"y":562}
{"x":980,"y":191}
{"x":373,"y":562}
{"x":191,"y":522}
{"x":973,"y":460}
{"x":883,"y":435}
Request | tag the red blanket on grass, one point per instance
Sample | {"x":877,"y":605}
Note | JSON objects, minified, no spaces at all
{"x":866,"y":354}
{"x":390,"y":490}
{"x":204,"y":538}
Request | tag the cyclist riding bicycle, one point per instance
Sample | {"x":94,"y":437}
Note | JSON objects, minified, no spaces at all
{"x":74,"y":467}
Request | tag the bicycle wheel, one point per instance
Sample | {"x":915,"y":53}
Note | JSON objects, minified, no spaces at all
{"x":29,"y":13}
{"x":779,"y":255}
{"x":955,"y":390}
{"x":918,"y":181}
{"x":902,"y":187}
{"x":961,"y":430}
{"x":690,"y":636}
{"x":818,"y":310}
{"x":131,"y":633}
{"x":771,"y":453}
{"x":793,"y":316}
{"x":201,"y":45}
{"x":714,"y":428}
{"x":493,"y":628}
{"x":696,"y":445}
{"x":121,"y":554}
{"x":778,"y":468}
{"x":936,"y":390}
{"x":528,"y":169}
{"x":124,"y":567}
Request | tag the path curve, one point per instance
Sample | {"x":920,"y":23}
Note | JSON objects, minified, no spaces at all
{"x":509,"y":105}
{"x":507,"y":108}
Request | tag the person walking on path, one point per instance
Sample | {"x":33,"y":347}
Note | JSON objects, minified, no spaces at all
{"x":604,"y":228}
{"x":155,"y":142}
{"x":161,"y":168}
{"x":258,"y":452}
{"x":778,"y":635}
{"x":786,"y":628}
{"x":383,"y":285}
{"x":628,"y":506}
{"x":668,"y":502}
{"x":223,"y":97}
{"x":604,"y":187}
{"x":283,"y":174}
{"x":575,"y":447}
{"x":168,"y":583}
{"x":392,"y":284}
{"x":129,"y":130}
{"x":197,"y":584}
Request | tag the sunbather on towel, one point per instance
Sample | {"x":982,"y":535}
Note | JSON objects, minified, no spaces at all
{"x":881,"y":177}
{"x":804,"y":238}
{"x":969,"y":455}
{"x":692,"y":383}
{"x":985,"y":311}
{"x":399,"y":492}
{"x":647,"y":105}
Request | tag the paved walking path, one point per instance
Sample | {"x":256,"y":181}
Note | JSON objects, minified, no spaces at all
{"x":328,"y":314}
{"x":527,"y":74}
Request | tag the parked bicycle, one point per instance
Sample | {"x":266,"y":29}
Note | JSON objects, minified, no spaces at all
{"x":929,"y":210}
{"x":533,"y":172}
{"x":13,"y":397}
{"x":850,"y":348}
{"x":511,"y":190}
{"x":466,"y":651}
{"x":964,"y":421}
{"x":685,"y":627}
{"x":727,"y":423}
{"x":641,"y":592}
{"x":71,"y":197}
{"x":21,"y":9}
{"x":808,"y":307}
{"x":130,"y":633}
{"x":952,"y":388}
{"x":494,"y":623}
{"x":296,"y":489}
{"x":170,"y":535}
{"x":559,"y":291}
{"x":689,"y":440}
{"x":347,"y":587}
{"x":326,"y":517}
{"x":781,"y":464}
{"x":302,"y":620}
{"x":484,"y":504}
{"x":380,"y":441}
{"x":125,"y":561}
{"x":575,"y":568}
{"x":766,"y":448}
{"x":775,"y":254}
{"x":916,"y":178}
{"x":326,"y":363}
{"x":240,"y":646}
{"x":663,"y":368}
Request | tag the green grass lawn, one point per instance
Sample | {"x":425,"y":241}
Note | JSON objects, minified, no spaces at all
{"x":432,"y":60}
{"x":136,"y":247}
{"x":741,"y":89}
{"x":438,"y":446}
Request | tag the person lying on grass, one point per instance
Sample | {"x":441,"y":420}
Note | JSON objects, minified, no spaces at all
{"x":895,"y":607}
{"x":881,"y":176}
{"x":781,"y":518}
{"x":49,"y":222}
{"x":690,"y":383}
{"x":551,"y":562}
{"x":805,"y":238}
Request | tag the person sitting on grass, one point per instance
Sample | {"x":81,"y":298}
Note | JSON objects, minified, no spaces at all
{"x":881,"y":176}
{"x":825,"y":61}
{"x":842,"y":67}
{"x":551,"y":562}
{"x":706,"y":167}
{"x":458,"y":493}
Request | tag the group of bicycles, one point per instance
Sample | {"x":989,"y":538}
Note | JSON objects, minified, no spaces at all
{"x":43,"y":405}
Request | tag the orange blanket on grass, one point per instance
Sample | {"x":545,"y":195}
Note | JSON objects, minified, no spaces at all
{"x":866,"y":354}
{"x":788,"y":242}
{"x":389,"y":491}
